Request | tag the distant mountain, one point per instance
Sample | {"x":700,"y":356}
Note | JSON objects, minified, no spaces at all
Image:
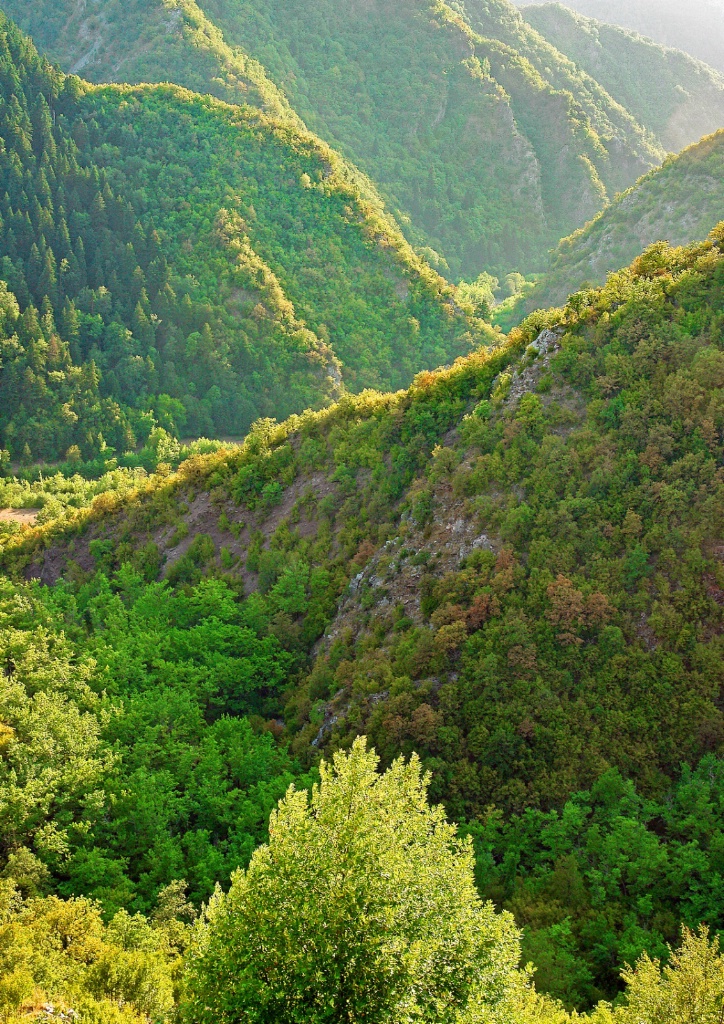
{"x":482,"y":153}
{"x":696,"y":26}
{"x":678,"y":98}
{"x":487,"y":144}
{"x":679,"y":203}
{"x":603,"y":67}
{"x":173,"y":260}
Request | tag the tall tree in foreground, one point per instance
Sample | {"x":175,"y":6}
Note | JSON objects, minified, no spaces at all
{"x":362,"y":907}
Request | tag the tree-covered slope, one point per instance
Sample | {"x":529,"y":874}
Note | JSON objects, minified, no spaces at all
{"x":146,"y":41}
{"x":484,"y":155}
{"x":676,"y":97}
{"x":679,"y":202}
{"x":514,"y":568}
{"x":172,"y":259}
{"x":500,"y":20}
{"x":696,"y":26}
{"x":488,"y":149}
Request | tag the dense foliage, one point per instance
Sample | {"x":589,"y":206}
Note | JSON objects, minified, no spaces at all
{"x":590,"y":637}
{"x":220,"y":274}
{"x":418,"y":108}
{"x":528,"y":551}
{"x":509,"y":576}
{"x":395,"y":919}
{"x":412,"y":110}
{"x":141,"y":41}
{"x":679,"y":202}
{"x":607,"y":875}
{"x":126,"y":762}
{"x":60,"y":961}
{"x":361,"y":908}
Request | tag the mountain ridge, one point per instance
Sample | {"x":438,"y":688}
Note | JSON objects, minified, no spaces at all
{"x":553,"y":150}
{"x":552,"y":122}
{"x":677,"y":97}
{"x":199,"y":283}
{"x":676,"y":203}
{"x":140,"y":42}
{"x":514,"y":568}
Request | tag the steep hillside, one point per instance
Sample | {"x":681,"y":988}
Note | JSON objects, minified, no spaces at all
{"x":498,"y":21}
{"x":696,"y":26}
{"x":678,"y":203}
{"x":478,"y":150}
{"x":545,"y":37}
{"x":514,"y":568}
{"x":233,"y":268}
{"x":146,"y":41}
{"x":409,"y":93}
{"x":677,"y":98}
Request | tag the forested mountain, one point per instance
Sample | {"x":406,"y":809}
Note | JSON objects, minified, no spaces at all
{"x":487,"y":148}
{"x":233,"y":268}
{"x":480,"y":153}
{"x":513,"y":568}
{"x":352,"y":721}
{"x":146,"y":41}
{"x":678,"y":203}
{"x":696,"y":26}
{"x":678,"y":98}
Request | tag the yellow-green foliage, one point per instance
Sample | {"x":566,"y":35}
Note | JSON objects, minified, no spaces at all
{"x":679,"y":202}
{"x":361,"y":907}
{"x":688,"y":990}
{"x":60,"y":961}
{"x":318,"y":928}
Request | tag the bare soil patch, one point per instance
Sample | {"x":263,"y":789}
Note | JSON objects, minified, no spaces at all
{"x":24,"y":516}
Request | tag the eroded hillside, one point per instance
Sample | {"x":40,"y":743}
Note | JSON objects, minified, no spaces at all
{"x":515,"y":568}
{"x":533,"y":500}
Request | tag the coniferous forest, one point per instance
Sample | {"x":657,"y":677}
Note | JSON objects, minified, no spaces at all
{"x":361,"y":514}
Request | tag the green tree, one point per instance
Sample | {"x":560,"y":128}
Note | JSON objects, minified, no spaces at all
{"x":362,"y":907}
{"x":690,"y":990}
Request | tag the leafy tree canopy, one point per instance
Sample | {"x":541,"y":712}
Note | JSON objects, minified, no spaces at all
{"x":362,"y":907}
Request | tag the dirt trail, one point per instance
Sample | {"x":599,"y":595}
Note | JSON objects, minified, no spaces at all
{"x":24,"y":516}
